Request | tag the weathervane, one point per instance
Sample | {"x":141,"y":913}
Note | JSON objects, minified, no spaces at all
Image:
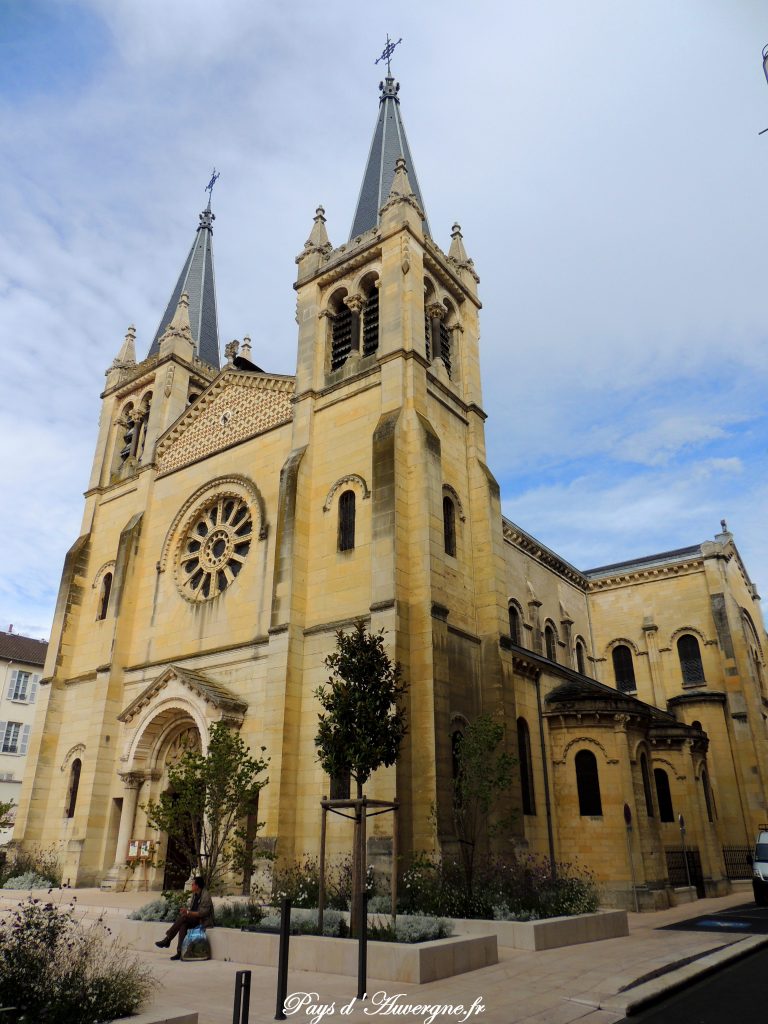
{"x":209,"y":187}
{"x":386,"y":55}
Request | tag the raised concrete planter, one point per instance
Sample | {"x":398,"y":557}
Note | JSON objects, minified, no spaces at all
{"x":551,"y":932}
{"x":387,"y":961}
{"x":160,"y":1017}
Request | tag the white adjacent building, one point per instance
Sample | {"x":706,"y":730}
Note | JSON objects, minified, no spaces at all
{"x":21,"y":662}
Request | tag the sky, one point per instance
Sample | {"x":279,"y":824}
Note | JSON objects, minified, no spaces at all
{"x":602,"y":158}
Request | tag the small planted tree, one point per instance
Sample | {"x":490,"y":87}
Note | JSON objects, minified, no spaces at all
{"x":209,"y":802}
{"x":363,"y":722}
{"x":484,"y":772}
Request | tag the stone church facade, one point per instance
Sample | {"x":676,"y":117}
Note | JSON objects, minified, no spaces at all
{"x":235,"y":519}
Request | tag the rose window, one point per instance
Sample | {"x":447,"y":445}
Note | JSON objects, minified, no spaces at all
{"x":214,"y":548}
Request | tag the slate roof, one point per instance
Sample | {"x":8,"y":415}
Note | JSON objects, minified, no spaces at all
{"x":197,"y":280}
{"x":646,"y":560}
{"x":389,"y":143}
{"x":22,"y":649}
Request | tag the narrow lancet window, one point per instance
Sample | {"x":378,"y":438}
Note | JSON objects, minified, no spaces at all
{"x":347,"y":521}
{"x":449,"y":526}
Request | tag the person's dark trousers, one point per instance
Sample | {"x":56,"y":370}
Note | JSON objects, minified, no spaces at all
{"x":179,"y":927}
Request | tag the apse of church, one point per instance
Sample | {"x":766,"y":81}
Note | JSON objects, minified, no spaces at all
{"x":236,"y":519}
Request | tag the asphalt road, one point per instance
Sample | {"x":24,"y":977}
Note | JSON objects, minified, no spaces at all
{"x":737,"y":994}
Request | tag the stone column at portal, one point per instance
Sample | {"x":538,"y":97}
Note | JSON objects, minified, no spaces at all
{"x":133,"y":781}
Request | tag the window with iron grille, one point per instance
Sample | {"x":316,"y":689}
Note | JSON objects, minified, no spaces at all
{"x":526,"y":767}
{"x":371,"y":323}
{"x":624,"y":669}
{"x":341,"y":338}
{"x":663,"y":795}
{"x":588,"y":784}
{"x":347,"y":521}
{"x":690,"y":660}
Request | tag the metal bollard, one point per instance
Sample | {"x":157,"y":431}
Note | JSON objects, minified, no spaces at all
{"x":282,"y":961}
{"x":362,"y":948}
{"x":242,"y":997}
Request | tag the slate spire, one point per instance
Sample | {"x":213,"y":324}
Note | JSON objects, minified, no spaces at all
{"x":197,"y":280}
{"x":389,"y":143}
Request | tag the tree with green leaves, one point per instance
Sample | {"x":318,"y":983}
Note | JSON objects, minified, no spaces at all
{"x":7,"y":815}
{"x":363,"y":722}
{"x":484,"y":773}
{"x":210,"y":804}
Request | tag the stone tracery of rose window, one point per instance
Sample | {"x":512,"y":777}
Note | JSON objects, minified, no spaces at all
{"x":214,"y":548}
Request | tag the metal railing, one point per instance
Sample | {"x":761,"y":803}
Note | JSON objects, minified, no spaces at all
{"x":738,"y":862}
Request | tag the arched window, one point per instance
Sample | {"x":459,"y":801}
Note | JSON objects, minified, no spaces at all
{"x":74,"y":785}
{"x":526,"y":767}
{"x":588,"y":784}
{"x":514,"y":624}
{"x":663,"y":795}
{"x":106,"y":588}
{"x":581,"y":658}
{"x":646,"y":785}
{"x":550,"y":643}
{"x":624,"y":669}
{"x":690,"y":660}
{"x":347,"y":521}
{"x":449,"y":526}
{"x":707,"y":796}
{"x":341,"y":336}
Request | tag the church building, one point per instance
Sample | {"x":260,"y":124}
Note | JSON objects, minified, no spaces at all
{"x":235,"y":519}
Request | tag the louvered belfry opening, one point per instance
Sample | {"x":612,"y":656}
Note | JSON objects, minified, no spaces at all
{"x":341,"y":337}
{"x":445,"y":346}
{"x":371,"y":323}
{"x":428,"y":337}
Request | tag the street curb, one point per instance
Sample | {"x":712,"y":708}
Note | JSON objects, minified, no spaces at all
{"x":637,"y":999}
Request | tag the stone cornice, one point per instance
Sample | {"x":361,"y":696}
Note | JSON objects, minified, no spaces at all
{"x":643,"y":574}
{"x":517,"y":537}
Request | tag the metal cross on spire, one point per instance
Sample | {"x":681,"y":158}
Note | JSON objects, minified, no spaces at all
{"x":209,"y":187}
{"x":387,"y":52}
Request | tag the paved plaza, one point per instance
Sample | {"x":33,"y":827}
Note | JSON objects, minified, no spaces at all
{"x":594,"y":983}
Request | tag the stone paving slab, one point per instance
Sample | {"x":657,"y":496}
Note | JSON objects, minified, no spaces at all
{"x":583,"y":983}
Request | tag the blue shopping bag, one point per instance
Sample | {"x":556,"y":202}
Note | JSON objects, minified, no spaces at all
{"x":196,"y":945}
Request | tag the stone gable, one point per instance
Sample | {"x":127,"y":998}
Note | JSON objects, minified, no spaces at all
{"x":236,"y":408}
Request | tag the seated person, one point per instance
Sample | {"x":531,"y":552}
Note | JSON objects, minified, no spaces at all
{"x":199,"y":913}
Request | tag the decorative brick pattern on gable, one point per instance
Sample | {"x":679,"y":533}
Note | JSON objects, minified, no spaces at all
{"x":235,"y":409}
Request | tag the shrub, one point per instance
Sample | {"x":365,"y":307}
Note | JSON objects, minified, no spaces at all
{"x":300,"y":882}
{"x":39,"y":860}
{"x":411,"y":928}
{"x":239,"y":915}
{"x":304,"y":922}
{"x":520,"y":888}
{"x":165,"y":909}
{"x":53,"y":970}
{"x":29,"y":880}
